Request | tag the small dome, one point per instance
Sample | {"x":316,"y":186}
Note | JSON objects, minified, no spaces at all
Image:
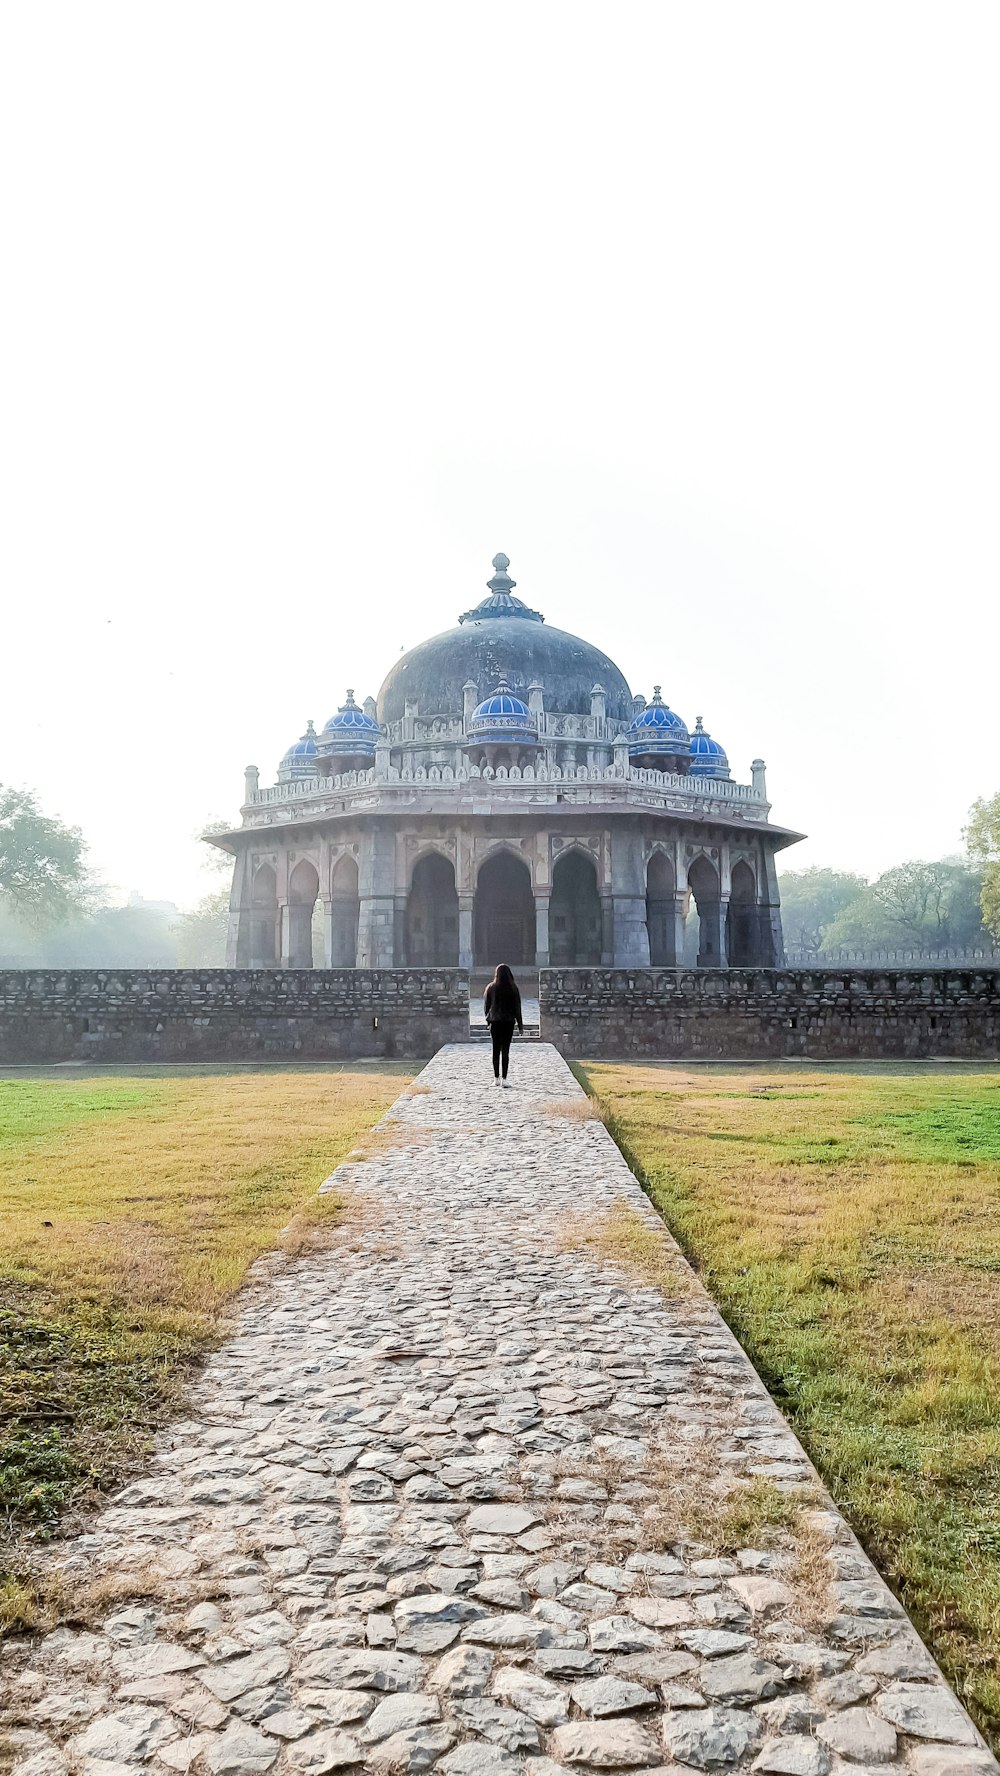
{"x":351,"y":734}
{"x":502,"y":703}
{"x":657,"y":729}
{"x":300,"y":759}
{"x":503,"y":717}
{"x":707,"y":757}
{"x":350,"y":717}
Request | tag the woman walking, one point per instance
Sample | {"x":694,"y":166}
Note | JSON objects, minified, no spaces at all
{"x":502,"y":1003}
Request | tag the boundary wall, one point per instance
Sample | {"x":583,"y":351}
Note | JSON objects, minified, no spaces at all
{"x":770,"y":1013}
{"x":220,"y":1014}
{"x":225,"y":1014}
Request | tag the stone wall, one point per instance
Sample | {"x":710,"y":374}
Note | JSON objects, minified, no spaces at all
{"x":222,"y":1014}
{"x":757,"y":1014}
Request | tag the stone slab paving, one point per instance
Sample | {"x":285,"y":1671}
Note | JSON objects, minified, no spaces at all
{"x":430,"y":1507}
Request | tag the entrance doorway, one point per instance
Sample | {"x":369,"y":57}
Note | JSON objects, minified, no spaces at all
{"x":660,"y":905}
{"x":575,"y":913}
{"x":432,"y":915}
{"x":504,"y":915}
{"x":741,"y":920}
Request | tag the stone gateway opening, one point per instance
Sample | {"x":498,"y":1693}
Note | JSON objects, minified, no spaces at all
{"x":504,"y":923}
{"x":432,"y":915}
{"x":661,"y":904}
{"x":303,"y":887}
{"x":741,"y":920}
{"x":575,"y":916}
{"x":345,"y":909}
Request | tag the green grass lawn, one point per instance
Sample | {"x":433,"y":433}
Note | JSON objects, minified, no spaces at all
{"x":847,"y":1221}
{"x":131,"y":1208}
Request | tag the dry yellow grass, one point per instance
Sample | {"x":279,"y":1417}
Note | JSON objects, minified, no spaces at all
{"x":131,"y":1209}
{"x":574,"y":1109}
{"x":623,"y":1237}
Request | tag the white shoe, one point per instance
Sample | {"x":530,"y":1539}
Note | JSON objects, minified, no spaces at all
{"x":506,"y":1084}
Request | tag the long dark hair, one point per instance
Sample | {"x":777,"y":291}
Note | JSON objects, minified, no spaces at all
{"x":504,"y":990}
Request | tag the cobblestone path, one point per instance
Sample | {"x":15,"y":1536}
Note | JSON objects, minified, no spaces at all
{"x":439,"y":1503}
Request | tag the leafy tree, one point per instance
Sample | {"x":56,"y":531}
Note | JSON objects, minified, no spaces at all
{"x":919,"y":906}
{"x":43,"y":873}
{"x":201,"y":933}
{"x":982,"y":835}
{"x":811,"y":900}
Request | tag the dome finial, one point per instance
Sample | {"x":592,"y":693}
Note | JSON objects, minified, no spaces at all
{"x":501,"y":602}
{"x":501,"y":581}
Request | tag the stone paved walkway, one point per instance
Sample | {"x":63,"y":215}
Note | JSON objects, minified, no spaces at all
{"x":433,"y":1506}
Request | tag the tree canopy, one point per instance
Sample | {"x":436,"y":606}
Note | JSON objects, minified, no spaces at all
{"x":43,"y":872}
{"x":811,"y":900}
{"x":982,"y":835}
{"x":919,"y":905}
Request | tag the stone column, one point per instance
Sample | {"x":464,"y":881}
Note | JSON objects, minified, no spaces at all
{"x":376,"y":885}
{"x":770,"y":938}
{"x":328,"y":906}
{"x":608,"y":930}
{"x":239,"y":939}
{"x":284,"y":934}
{"x":679,"y":921}
{"x":542,"y":930}
{"x":465,"y":906}
{"x":712,"y":914}
{"x":627,"y":942}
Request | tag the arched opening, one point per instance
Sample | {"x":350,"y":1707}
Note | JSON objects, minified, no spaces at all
{"x":264,"y":918}
{"x":741,"y":919}
{"x":345,"y":913}
{"x":504,"y":918}
{"x":660,"y":904}
{"x":432,"y":915}
{"x":703,"y":880}
{"x":575,"y":913}
{"x":303,"y":887}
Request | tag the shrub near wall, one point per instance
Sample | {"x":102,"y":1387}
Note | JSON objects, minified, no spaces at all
{"x":823,"y":1014}
{"x":223,"y":1014}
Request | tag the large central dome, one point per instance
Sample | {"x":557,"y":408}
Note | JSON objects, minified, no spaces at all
{"x":502,"y":639}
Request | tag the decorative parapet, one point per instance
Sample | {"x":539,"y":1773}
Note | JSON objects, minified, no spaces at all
{"x":539,"y":784}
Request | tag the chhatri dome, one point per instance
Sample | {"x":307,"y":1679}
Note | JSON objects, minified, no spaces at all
{"x":505,"y":798}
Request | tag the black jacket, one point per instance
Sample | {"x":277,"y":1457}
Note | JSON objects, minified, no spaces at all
{"x":503,"y":1006}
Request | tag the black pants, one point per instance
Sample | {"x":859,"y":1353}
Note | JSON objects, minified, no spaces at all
{"x":503,"y":1035}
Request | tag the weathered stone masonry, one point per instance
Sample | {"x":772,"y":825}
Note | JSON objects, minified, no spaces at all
{"x":758,"y":1014}
{"x":130,"y":1015}
{"x":224,"y":1014}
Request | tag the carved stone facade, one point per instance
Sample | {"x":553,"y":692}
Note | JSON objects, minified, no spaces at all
{"x":476,"y":813}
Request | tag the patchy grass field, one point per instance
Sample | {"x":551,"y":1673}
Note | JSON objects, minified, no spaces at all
{"x":848,"y":1224}
{"x":131,"y":1207}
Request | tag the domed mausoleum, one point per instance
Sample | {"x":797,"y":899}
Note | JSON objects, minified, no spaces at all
{"x":505,"y":798}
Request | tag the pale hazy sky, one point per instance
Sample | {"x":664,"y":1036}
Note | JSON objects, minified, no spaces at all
{"x":307,"y":310}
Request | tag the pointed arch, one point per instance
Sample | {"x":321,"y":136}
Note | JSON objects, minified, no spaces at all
{"x":264,"y":917}
{"x":303,"y":888}
{"x":345,"y":913}
{"x":575,"y":920}
{"x":741,"y":919}
{"x":705,"y":886}
{"x":661,"y":902}
{"x":504,"y":911}
{"x":431,"y":922}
